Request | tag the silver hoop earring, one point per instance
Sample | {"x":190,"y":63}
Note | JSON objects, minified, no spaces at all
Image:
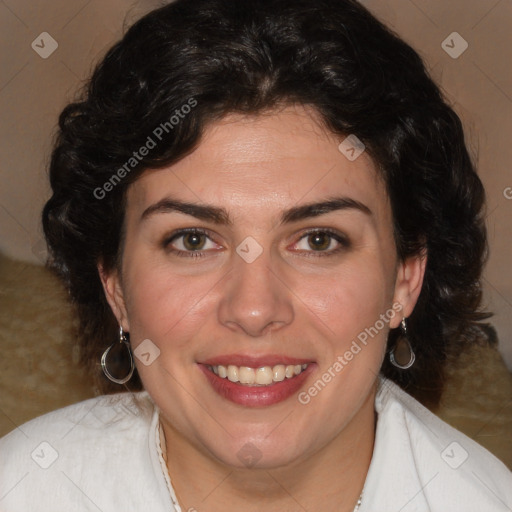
{"x":402,"y":351}
{"x":123,"y":343}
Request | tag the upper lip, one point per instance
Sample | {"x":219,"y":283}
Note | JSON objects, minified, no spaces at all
{"x":254,"y":361}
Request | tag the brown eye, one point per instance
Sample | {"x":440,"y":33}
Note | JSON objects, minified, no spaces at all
{"x":319,"y":241}
{"x":190,"y":242}
{"x":322,"y":242}
{"x":194,"y":241}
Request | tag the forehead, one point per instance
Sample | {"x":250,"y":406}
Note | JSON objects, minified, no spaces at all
{"x":262,"y":163}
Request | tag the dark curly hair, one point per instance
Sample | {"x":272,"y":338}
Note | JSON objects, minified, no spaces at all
{"x":208,"y":58}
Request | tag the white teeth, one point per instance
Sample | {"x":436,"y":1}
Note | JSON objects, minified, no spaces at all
{"x":233,"y":373}
{"x":262,"y":376}
{"x":246,"y":375}
{"x":278,"y":373}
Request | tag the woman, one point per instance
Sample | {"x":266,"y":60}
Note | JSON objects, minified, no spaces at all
{"x":267,"y":208}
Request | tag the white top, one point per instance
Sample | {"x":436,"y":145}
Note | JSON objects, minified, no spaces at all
{"x":104,"y":455}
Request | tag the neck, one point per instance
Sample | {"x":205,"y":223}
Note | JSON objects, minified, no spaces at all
{"x":329,"y":480}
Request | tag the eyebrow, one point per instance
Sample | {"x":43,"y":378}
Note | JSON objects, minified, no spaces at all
{"x":220,"y":216}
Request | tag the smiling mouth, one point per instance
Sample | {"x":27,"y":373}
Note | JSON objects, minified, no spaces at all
{"x":257,"y":382}
{"x":255,"y":377}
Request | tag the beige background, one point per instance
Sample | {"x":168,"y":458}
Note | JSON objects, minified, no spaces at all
{"x":33,"y":90}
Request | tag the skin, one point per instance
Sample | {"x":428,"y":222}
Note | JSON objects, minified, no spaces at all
{"x":298,"y":298}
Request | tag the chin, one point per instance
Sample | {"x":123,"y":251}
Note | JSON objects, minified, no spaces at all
{"x":259,"y":451}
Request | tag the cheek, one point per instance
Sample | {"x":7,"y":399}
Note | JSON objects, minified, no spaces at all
{"x":349,"y":300}
{"x":164,"y":306}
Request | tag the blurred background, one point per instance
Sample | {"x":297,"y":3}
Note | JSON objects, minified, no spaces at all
{"x":48,"y":49}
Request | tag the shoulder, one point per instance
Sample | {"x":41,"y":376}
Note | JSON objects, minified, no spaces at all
{"x":101,"y":416}
{"x":444,"y":467}
{"x":68,"y":455}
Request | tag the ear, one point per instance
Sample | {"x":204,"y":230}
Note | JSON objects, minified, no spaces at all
{"x":113,"y":289}
{"x":408,"y":284}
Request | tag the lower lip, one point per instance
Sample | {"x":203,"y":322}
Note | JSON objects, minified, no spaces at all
{"x":256,"y":396}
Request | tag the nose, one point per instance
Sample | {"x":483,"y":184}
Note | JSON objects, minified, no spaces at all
{"x":256,"y":300}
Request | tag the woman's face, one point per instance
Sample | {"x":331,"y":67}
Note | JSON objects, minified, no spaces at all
{"x":264,"y":250}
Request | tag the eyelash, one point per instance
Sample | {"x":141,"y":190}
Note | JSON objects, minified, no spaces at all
{"x":181,"y":233}
{"x":341,"y":239}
